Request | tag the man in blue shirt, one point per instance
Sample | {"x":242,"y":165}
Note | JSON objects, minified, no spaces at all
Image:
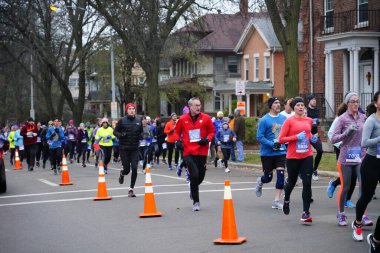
{"x":55,"y":137}
{"x":273,"y":154}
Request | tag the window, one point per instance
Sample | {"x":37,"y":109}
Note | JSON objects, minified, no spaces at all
{"x":256,"y":68}
{"x":329,"y":14}
{"x":363,"y":12}
{"x":232,"y":64}
{"x":217,"y":101}
{"x":73,"y":82}
{"x":267,"y":68}
{"x":246,"y":76}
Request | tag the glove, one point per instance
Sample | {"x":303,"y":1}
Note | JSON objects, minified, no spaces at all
{"x":34,"y":134}
{"x":351,"y":130}
{"x":301,"y":136}
{"x":203,"y":142}
{"x":171,"y":131}
{"x":315,"y":121}
{"x":179,"y":145}
{"x":276,"y":145}
{"x":314,"y":139}
{"x":109,"y":137}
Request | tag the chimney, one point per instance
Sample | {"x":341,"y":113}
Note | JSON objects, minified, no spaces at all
{"x":244,"y":8}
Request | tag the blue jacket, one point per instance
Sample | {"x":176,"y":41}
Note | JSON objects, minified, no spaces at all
{"x":269,"y":130}
{"x":218,"y":126}
{"x":55,"y":140}
{"x":19,"y":140}
{"x":225,"y":137}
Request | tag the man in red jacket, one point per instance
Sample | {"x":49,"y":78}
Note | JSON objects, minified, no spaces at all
{"x":197,"y":131}
{"x":29,"y":131}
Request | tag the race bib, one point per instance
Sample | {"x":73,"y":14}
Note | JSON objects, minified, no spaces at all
{"x":302,"y":146}
{"x":226,"y":138}
{"x":21,"y":147}
{"x":195,"y":135}
{"x":29,"y":134}
{"x":143,"y":143}
{"x":88,"y":147}
{"x":84,"y":140}
{"x":71,"y":137}
{"x":164,"y":145}
{"x":353,"y":155}
{"x":378,"y":151}
{"x":106,"y":140}
{"x":38,"y":139}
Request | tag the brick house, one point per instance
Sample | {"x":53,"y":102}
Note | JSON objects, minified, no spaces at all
{"x":344,"y":38}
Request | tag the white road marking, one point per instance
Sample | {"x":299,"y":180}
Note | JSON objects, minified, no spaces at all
{"x":47,"y":182}
{"x":142,"y":194}
{"x":7,"y":170}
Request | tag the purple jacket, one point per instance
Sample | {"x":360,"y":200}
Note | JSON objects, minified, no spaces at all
{"x":344,"y":121}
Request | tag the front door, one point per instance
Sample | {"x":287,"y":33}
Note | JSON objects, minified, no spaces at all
{"x":366,"y":84}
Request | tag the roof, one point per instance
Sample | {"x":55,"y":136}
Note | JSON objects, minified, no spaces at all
{"x":263,"y":25}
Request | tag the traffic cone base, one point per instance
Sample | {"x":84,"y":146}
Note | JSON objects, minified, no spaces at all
{"x":239,"y":240}
{"x":65,"y":173}
{"x":102,"y":198}
{"x":102,"y":187}
{"x":147,"y":215}
{"x":149,"y":202}
{"x":17,"y":162}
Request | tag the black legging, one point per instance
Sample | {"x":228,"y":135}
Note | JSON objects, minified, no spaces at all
{"x":30,"y":151}
{"x":161,"y":151}
{"x":82,"y":148}
{"x":226,"y":156}
{"x":107,"y":152}
{"x":129,"y":159}
{"x":353,"y":178}
{"x":39,"y":151}
{"x":304,"y":167}
{"x":318,"y":147}
{"x":71,"y":148}
{"x":370,"y":175}
{"x":196,"y":165}
{"x":377,"y":230}
{"x":171,"y":146}
{"x":56,"y":157}
{"x":12,"y":156}
{"x":45,"y":153}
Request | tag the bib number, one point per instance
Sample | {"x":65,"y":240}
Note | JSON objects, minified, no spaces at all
{"x":38,"y":139}
{"x":143,"y":143}
{"x":164,"y":145}
{"x":226,"y":138}
{"x":353,"y":155}
{"x":71,"y":136}
{"x":302,"y":146}
{"x":22,"y":147}
{"x":29,"y":134}
{"x":84,"y":140}
{"x":195,"y":135}
{"x":378,"y":151}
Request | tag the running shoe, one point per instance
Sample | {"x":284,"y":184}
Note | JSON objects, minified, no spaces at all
{"x":196,"y":207}
{"x":216,"y":163}
{"x":341,"y":219}
{"x":286,"y":208}
{"x":373,"y":247}
{"x":163,"y":161}
{"x":38,"y":164}
{"x":366,"y":222}
{"x":131,"y":194}
{"x":306,"y":217}
{"x":259,"y":187}
{"x":357,"y":232}
{"x":227,"y":170}
{"x":315,"y":176}
{"x":187,"y":174}
{"x":349,"y":204}
{"x":121,"y":178}
{"x":330,"y":189}
{"x":170,"y":168}
{"x":276,"y":204}
{"x":55,"y":172}
{"x":179,"y":170}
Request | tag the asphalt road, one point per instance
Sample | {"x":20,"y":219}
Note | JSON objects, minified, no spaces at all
{"x":37,"y":215}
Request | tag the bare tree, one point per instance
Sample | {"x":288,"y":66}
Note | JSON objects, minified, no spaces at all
{"x":284,"y":15}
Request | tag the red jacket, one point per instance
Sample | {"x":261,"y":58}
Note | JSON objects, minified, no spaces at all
{"x":207,"y":130}
{"x":29,"y":132}
{"x":172,"y":136}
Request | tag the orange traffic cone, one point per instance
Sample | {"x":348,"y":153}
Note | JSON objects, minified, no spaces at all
{"x":102,"y":187}
{"x":18,"y":165}
{"x":229,"y":232}
{"x":65,"y":172}
{"x":149,"y":202}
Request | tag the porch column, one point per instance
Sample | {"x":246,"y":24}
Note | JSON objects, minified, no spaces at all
{"x":230,"y":104}
{"x":345,"y":73}
{"x":351,"y":88}
{"x":248,"y":104}
{"x":376,"y":69}
{"x":356,"y":69}
{"x":331,"y":94}
{"x":327,"y":79}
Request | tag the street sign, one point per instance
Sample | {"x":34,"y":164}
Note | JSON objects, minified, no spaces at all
{"x":241,"y":106}
{"x":114,"y":110}
{"x":240,"y":88}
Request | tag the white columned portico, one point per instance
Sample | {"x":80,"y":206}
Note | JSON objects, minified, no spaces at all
{"x":356,"y":68}
{"x":351,"y":69}
{"x":247,"y":95}
{"x":376,"y":69}
{"x":329,"y":78}
{"x":230,"y":104}
{"x":345,"y":73}
{"x":331,"y":86}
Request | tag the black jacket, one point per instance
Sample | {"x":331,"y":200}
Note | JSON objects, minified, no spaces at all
{"x":314,"y":114}
{"x":160,"y":134}
{"x":128,"y":130}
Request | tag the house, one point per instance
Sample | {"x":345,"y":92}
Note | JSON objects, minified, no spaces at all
{"x":263,"y":63}
{"x":342,"y":45}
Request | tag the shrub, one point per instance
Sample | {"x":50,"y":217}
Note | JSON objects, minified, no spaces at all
{"x":251,"y":130}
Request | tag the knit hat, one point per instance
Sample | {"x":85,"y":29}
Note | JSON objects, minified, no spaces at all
{"x":71,"y":122}
{"x":349,"y":95}
{"x":220,"y":114}
{"x":173,"y":114}
{"x":129,"y":105}
{"x":81,"y":124}
{"x":271,"y":101}
{"x":185,"y":109}
{"x":148,"y":119}
{"x":224,"y":123}
{"x":310,"y":97}
{"x":295,"y":101}
{"x":30,"y":119}
{"x":104,"y":120}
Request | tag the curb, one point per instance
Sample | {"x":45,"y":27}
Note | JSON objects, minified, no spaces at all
{"x":258,"y":167}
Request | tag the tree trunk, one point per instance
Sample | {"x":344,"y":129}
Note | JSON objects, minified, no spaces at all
{"x":61,"y":103}
{"x":291,"y":75}
{"x":153,"y":94}
{"x":82,"y":90}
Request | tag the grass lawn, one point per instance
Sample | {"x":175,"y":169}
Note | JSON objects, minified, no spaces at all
{"x":328,"y":162}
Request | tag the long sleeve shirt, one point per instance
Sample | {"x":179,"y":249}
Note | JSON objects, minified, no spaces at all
{"x":291,"y":127}
{"x":351,"y":145}
{"x":331,"y":132}
{"x":371,"y":135}
{"x":104,"y":136}
{"x":269,"y":130}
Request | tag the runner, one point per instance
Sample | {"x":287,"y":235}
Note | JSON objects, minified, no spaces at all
{"x":197,"y":131}
{"x":348,"y":130}
{"x":272,"y":153}
{"x":115,"y":145}
{"x":55,"y":137}
{"x":218,"y":122}
{"x":89,"y":130}
{"x":224,"y":138}
{"x":82,"y":138}
{"x":296,"y":130}
{"x":19,"y":143}
{"x":12,"y":144}
{"x":70,"y":133}
{"x":370,"y":172}
{"x":45,"y":145}
{"x":288,"y":112}
{"x":171,"y":139}
{"x":129,"y":130}
{"x":104,"y":137}
{"x":29,"y":132}
{"x":39,"y":144}
{"x":160,"y":141}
